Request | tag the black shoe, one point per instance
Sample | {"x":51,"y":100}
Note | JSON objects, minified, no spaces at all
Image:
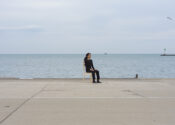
{"x":94,"y":82}
{"x":99,"y":82}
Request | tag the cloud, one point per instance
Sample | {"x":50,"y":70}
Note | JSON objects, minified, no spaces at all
{"x":33,"y":4}
{"x":59,"y":23}
{"x":21,"y":28}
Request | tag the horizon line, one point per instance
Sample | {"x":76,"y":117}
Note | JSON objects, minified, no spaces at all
{"x":72,"y":53}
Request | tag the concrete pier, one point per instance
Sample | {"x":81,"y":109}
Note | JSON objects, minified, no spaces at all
{"x":78,"y":102}
{"x":167,"y":55}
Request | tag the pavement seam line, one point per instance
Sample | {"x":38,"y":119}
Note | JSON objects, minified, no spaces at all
{"x":28,"y":99}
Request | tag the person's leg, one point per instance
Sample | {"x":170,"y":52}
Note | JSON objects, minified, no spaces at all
{"x":93,"y":75}
{"x":98,"y":75}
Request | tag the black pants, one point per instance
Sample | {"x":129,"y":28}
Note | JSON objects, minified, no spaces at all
{"x":93,"y":74}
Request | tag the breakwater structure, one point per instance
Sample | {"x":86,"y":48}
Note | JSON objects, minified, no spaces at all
{"x":167,"y":55}
{"x":164,"y":54}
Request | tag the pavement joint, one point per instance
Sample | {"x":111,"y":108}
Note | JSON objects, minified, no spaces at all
{"x":23,"y":103}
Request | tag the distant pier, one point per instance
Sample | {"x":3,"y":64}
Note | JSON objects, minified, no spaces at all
{"x":167,"y":55}
{"x":164,"y":54}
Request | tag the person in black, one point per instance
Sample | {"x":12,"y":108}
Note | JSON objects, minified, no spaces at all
{"x":90,"y":68}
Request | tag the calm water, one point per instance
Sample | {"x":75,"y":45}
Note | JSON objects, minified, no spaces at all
{"x":70,"y":66}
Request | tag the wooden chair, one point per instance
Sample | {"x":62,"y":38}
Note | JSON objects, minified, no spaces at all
{"x":86,"y":73}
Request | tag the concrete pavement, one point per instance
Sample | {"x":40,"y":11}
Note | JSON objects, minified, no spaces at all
{"x":78,"y":102}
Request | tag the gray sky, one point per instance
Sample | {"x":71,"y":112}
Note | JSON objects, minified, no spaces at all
{"x":80,"y":26}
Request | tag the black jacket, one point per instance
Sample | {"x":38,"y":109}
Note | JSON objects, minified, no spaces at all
{"x":88,"y":64}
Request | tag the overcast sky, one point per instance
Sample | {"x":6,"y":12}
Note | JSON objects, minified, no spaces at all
{"x":80,"y":26}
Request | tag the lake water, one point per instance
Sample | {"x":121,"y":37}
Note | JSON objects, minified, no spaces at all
{"x":71,"y":65}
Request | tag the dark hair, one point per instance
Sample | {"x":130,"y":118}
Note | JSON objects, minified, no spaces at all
{"x":85,"y":58}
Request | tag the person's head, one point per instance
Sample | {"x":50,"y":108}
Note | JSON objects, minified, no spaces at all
{"x":88,"y":56}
